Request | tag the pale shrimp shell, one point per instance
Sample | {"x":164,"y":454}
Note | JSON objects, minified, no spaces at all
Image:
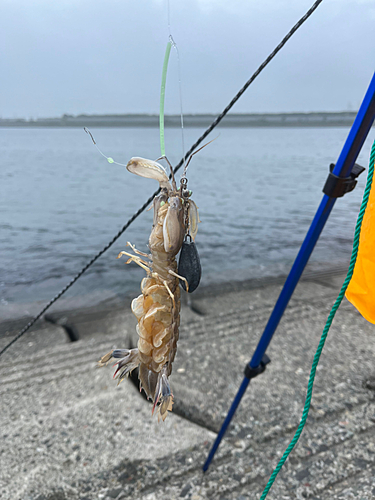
{"x":193,"y":219}
{"x":137,"y":306}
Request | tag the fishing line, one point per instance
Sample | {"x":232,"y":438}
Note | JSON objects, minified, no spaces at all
{"x":169,"y":18}
{"x":171,"y":43}
{"x":108,"y":158}
{"x":178,"y":166}
{"x":181,"y":110}
{"x":162,"y":97}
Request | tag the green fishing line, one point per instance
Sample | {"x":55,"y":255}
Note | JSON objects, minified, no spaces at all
{"x":162,"y":97}
{"x":331,"y":315}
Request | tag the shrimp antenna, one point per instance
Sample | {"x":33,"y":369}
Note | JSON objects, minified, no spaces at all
{"x":108,"y":158}
{"x":195,"y":152}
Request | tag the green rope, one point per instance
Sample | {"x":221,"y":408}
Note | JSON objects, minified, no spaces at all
{"x":162,"y":97}
{"x":327,"y":326}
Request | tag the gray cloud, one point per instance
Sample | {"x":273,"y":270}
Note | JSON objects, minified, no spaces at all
{"x":106,"y":57}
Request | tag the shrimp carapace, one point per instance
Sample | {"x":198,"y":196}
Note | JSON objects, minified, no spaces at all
{"x":157,"y":309}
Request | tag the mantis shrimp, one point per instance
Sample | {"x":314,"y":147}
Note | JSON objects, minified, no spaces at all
{"x":157,"y":309}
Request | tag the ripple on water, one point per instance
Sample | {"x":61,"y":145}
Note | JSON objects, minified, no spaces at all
{"x":257,"y":192}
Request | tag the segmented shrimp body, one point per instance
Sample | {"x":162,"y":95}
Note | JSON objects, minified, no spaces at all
{"x":157,"y":309}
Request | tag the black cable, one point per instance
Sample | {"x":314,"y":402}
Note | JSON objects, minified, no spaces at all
{"x":250,"y":81}
{"x":191,"y":150}
{"x":96,"y":257}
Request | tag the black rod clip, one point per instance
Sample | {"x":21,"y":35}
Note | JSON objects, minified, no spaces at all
{"x":335,"y":186}
{"x":254,"y":372}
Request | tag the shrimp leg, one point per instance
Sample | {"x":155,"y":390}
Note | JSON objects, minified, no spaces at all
{"x":137,"y":260}
{"x":138,"y":252}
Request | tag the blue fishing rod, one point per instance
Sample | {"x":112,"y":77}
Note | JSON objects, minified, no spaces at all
{"x":341,"y":180}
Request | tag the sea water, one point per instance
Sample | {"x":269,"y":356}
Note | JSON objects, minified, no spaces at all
{"x":257,"y":190}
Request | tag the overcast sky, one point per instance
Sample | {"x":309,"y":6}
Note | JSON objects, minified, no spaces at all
{"x":91,"y":56}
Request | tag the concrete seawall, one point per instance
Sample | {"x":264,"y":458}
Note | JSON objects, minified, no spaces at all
{"x":69,"y":433}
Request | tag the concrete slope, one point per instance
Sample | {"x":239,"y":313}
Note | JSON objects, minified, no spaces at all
{"x":69,"y":432}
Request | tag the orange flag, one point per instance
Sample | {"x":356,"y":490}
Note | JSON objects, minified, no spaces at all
{"x":361,"y":289}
